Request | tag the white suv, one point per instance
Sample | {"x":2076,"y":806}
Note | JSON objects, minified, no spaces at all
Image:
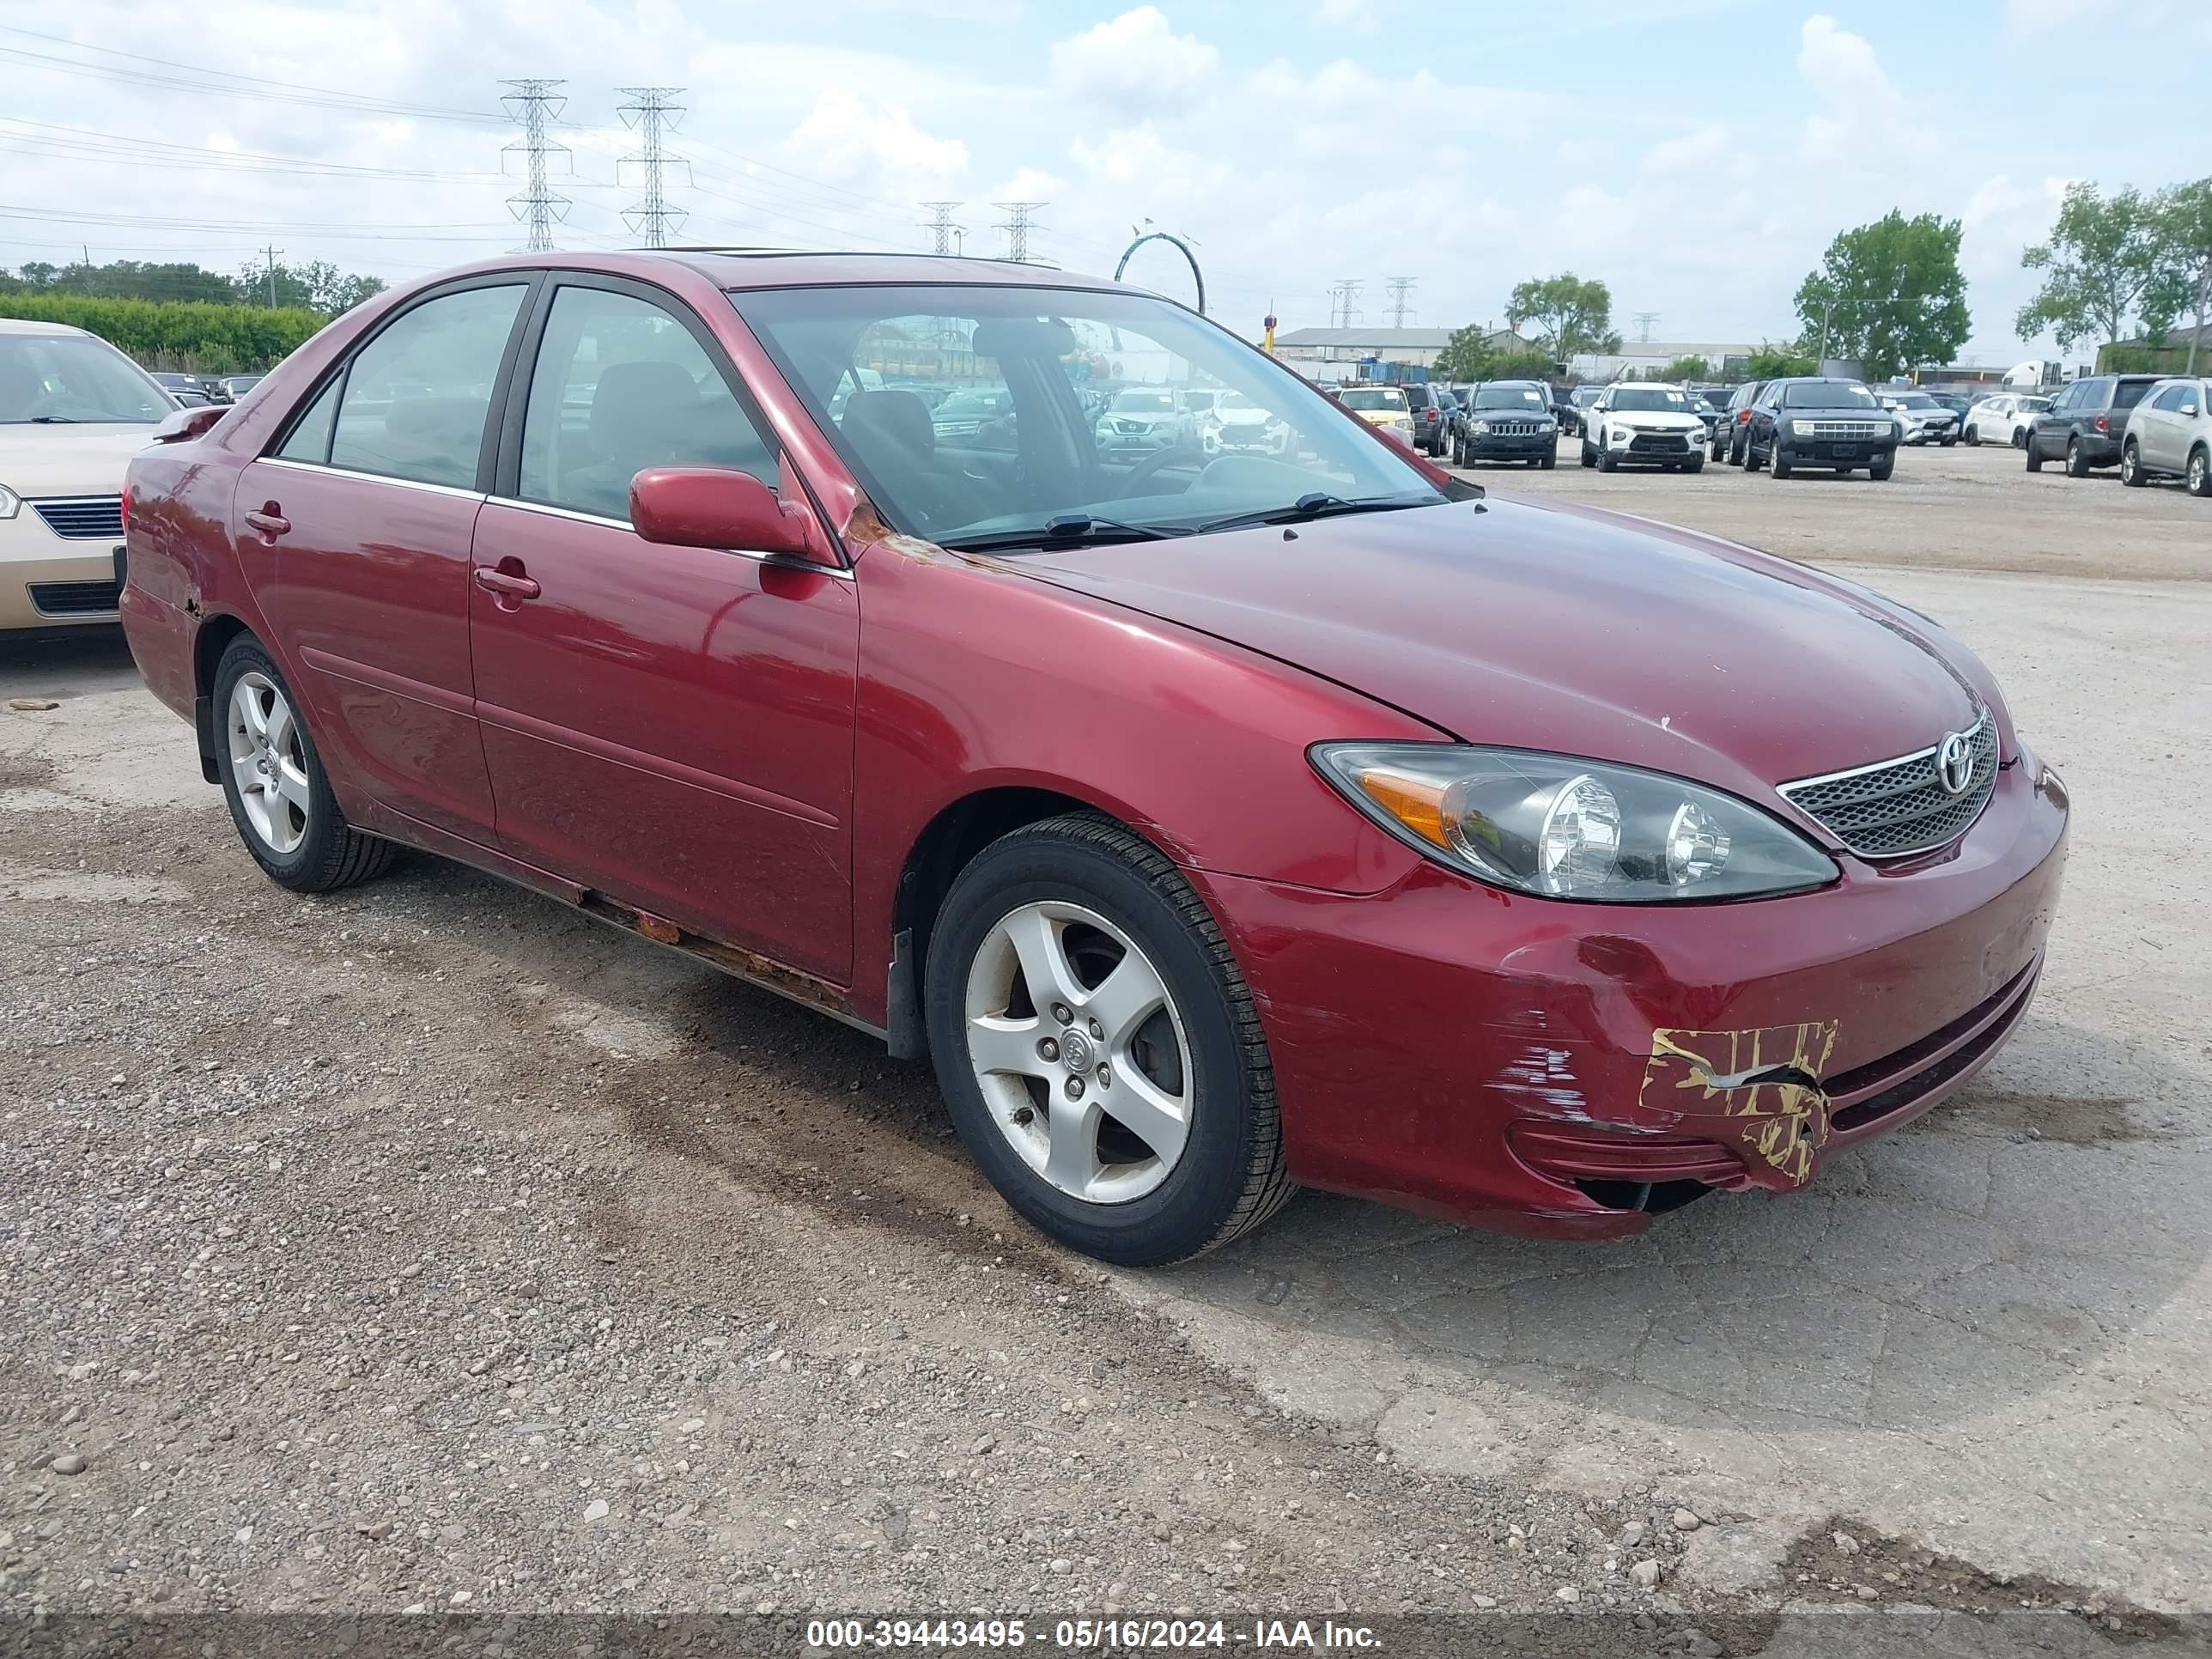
{"x":1644,"y":421}
{"x":73,"y":411}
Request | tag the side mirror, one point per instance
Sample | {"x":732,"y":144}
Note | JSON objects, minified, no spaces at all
{"x":2189,"y":408}
{"x":715,"y":507}
{"x":186,"y":424}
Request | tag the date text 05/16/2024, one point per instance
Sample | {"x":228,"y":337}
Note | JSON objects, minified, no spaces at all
{"x":1088,"y":1635}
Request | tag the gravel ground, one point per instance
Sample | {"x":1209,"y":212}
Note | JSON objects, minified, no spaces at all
{"x":431,"y":1246}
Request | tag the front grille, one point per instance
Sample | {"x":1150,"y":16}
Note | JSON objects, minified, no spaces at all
{"x":83,"y":518}
{"x":1512,"y":429}
{"x":1659,"y":443}
{"x":1900,"y":807}
{"x":1845,"y":428}
{"x":76,"y":599}
{"x":1996,"y":1015}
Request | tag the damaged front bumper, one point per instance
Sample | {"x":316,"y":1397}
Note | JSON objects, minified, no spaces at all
{"x":1568,"y":1070}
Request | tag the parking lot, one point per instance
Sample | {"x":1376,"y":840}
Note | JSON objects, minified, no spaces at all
{"x":427,"y":1245}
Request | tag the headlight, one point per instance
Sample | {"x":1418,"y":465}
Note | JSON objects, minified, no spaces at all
{"x":1402,"y":424}
{"x":9,"y":502}
{"x":1803,"y":428}
{"x":1482,"y":426}
{"x":1563,"y":828}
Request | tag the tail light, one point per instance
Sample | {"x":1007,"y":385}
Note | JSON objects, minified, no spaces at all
{"x":1742,"y":416}
{"x":2103,"y":425}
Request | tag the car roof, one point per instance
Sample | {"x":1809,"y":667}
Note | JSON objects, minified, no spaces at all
{"x":35,"y":325}
{"x":768,"y":268}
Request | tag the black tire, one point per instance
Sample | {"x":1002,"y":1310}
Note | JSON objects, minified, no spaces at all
{"x":2020,"y":435}
{"x":2131,"y":472}
{"x":2077,"y":460}
{"x":1695,"y":464}
{"x":332,"y":853}
{"x":1231,"y":1176}
{"x":2197,"y":473}
{"x":1951,"y":440}
{"x":1589,"y":455}
{"x":1547,"y":462}
{"x":1778,"y":462}
{"x":2034,"y":452}
{"x":1751,"y":452}
{"x":1878,"y":470}
{"x":1973,"y":437}
{"x":1605,"y":460}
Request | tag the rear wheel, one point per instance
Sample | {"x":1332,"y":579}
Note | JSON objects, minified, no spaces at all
{"x":273,"y":781}
{"x":1589,"y":455}
{"x":1098,"y":1048}
{"x":1973,"y":437}
{"x":2077,"y":460}
{"x":2199,"y":474}
{"x":2131,"y":472}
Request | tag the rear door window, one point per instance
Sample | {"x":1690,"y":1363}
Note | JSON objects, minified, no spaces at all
{"x":416,"y":396}
{"x":2126,"y":394}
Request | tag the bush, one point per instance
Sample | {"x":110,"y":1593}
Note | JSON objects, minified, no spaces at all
{"x":215,"y":339}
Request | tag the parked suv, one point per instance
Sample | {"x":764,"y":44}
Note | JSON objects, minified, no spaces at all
{"x":2085,"y":424}
{"x":1431,"y":406}
{"x":1509,"y":420}
{"x":1816,"y":420}
{"x":2169,"y":432}
{"x":1642,"y":420}
{"x":2006,"y":415}
{"x":1736,"y":420}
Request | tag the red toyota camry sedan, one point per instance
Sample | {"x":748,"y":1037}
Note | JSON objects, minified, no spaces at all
{"x":1253,"y":806}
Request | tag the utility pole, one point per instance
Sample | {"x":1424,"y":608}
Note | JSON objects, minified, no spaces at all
{"x":1827,"y":306}
{"x":1399,"y":286}
{"x":651,"y":114}
{"x":1643,"y":321}
{"x":942,"y":231}
{"x":1017,"y":225}
{"x":2196,"y":334}
{"x":534,"y":104}
{"x":1341,"y":293}
{"x":272,"y":252}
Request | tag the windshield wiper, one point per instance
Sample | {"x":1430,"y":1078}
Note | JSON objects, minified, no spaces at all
{"x":1318,"y":505}
{"x":53,"y":420}
{"x":1067,"y":530}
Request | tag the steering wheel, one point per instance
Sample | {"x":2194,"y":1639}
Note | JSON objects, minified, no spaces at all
{"x":1142,"y":472}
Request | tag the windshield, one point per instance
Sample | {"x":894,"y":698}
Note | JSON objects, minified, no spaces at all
{"x":1915,"y":400}
{"x":1374,"y":396}
{"x":973,"y":405}
{"x":70,"y":377}
{"x":1657,"y":397}
{"x":1078,"y":474}
{"x":1827,"y":394}
{"x":2035,"y":403}
{"x":1510,"y":397}
{"x":1587,"y":395}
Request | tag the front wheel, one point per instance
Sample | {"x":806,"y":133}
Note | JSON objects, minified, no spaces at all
{"x":1973,"y":437}
{"x":1098,"y":1047}
{"x":1879,"y":468}
{"x":273,"y":781}
{"x":2035,"y":452}
{"x":1547,"y":462}
{"x":1778,"y":463}
{"x":2131,"y":472}
{"x":1605,"y":459}
{"x":1695,"y":464}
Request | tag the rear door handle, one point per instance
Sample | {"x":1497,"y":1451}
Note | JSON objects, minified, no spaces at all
{"x":507,"y":583}
{"x":269,"y":520}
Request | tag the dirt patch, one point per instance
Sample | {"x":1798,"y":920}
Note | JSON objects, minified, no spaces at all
{"x":2076,"y":1119}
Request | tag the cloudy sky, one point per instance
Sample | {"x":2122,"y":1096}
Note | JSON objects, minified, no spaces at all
{"x":1696,"y":155}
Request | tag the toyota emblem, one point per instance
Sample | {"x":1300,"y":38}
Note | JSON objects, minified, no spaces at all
{"x":1954,"y":763}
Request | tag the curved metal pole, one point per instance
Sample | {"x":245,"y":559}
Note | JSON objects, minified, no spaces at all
{"x":1180,"y":246}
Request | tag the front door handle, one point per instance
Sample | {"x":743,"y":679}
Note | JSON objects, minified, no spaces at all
{"x":269,"y":520}
{"x":507,"y":586}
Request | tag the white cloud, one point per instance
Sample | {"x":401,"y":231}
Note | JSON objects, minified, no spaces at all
{"x":848,"y":140}
{"x":1356,"y":14}
{"x":1693,"y":152}
{"x":1863,"y":122}
{"x":1137,"y":61}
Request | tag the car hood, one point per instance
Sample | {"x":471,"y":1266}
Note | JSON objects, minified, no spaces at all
{"x":1569,"y":629}
{"x":1681,"y":419}
{"x":76,"y":459}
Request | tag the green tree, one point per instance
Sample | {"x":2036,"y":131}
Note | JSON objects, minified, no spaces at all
{"x":319,"y":286}
{"x":1684,"y":369}
{"x":1777,"y":362}
{"x":1889,"y":295}
{"x":1571,"y":316}
{"x":2105,"y":263}
{"x":2185,"y":281}
{"x":1465,"y":356}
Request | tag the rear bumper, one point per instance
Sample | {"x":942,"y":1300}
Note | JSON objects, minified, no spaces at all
{"x":1551,"y":1069}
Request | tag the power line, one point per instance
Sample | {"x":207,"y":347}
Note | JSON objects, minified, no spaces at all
{"x":942,"y":231}
{"x":1399,"y":286}
{"x":1643,"y":319}
{"x":1017,"y":225}
{"x":1341,"y":293}
{"x":534,"y":103}
{"x":651,"y":114}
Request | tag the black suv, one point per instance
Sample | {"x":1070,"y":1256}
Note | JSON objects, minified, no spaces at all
{"x":2086,"y":422}
{"x":1812,"y":422}
{"x":1430,"y":404}
{"x":1735,"y":421}
{"x":1508,"y":421}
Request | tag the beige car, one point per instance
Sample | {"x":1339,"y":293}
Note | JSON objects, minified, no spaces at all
{"x":73,"y":411}
{"x":2170,"y":433}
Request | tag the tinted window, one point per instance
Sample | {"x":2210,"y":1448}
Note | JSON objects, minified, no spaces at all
{"x":2172,"y":398}
{"x":621,"y":385}
{"x":1509,"y":396}
{"x":416,"y":395}
{"x":72,"y":377}
{"x":1650,"y":398}
{"x":311,"y":438}
{"x":1827,"y":394}
{"x":2128,"y":393}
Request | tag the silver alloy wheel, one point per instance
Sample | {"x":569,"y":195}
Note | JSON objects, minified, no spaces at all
{"x":2199,"y":467}
{"x":269,"y":762}
{"x":1079,"y":1052}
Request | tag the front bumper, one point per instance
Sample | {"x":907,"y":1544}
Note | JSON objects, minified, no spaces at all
{"x":1653,"y":446}
{"x":49,"y":582}
{"x":1494,"y":446}
{"x":1835,"y":451}
{"x":1563,"y":1070}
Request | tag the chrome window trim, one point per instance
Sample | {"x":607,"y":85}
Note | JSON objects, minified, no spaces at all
{"x":784,"y":561}
{"x":370,"y":478}
{"x":1968,"y":732}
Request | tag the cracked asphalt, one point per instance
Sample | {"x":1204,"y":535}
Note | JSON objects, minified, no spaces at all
{"x":1985,"y":1337}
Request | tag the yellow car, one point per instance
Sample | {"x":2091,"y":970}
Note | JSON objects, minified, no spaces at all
{"x":1381,"y":405}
